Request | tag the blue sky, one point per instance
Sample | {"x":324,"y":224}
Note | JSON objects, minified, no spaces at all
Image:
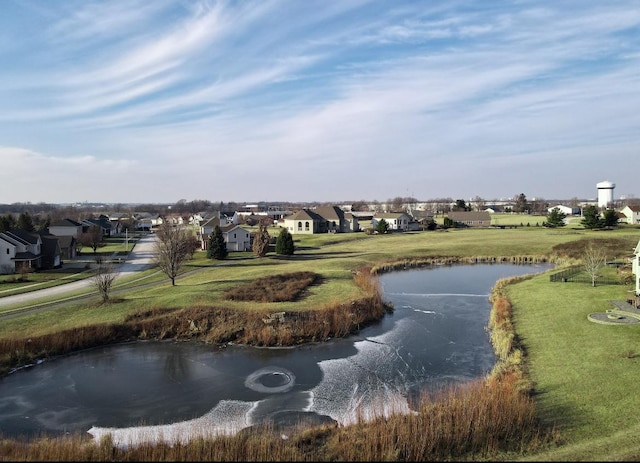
{"x":317,"y":100}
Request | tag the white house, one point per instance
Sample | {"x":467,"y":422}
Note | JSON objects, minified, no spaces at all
{"x":305,"y":221}
{"x":632,"y":214}
{"x":7,"y":256}
{"x":398,"y":221}
{"x":236,"y":238}
{"x":567,"y":210}
{"x":28,"y":248}
{"x":635,"y":267}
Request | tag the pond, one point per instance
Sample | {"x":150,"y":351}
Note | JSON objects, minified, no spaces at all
{"x":149,"y":390}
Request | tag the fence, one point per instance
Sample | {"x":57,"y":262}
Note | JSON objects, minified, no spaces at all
{"x":577,"y":274}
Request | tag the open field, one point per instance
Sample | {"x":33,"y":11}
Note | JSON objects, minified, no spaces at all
{"x":584,"y":374}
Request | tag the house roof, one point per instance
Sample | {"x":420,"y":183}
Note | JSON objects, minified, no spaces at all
{"x":305,"y":214}
{"x":25,"y":256}
{"x":24,"y":236}
{"x":230,"y":227}
{"x":66,"y":223}
{"x":474,"y":216}
{"x":330,"y":212}
{"x":389,"y":215}
{"x":212,"y":222}
{"x":634,"y":208}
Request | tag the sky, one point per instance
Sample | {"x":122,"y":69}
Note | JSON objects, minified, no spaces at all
{"x":143,"y":101}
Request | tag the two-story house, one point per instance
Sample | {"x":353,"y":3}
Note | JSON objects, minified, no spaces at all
{"x":631,"y":214}
{"x":323,"y":219}
{"x":7,"y":256}
{"x":27,"y":251}
{"x":397,"y":221}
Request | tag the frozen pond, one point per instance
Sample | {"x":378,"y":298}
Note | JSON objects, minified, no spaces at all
{"x":151,"y":390}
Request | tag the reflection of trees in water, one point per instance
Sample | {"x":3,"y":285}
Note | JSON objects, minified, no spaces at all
{"x":176,"y":366}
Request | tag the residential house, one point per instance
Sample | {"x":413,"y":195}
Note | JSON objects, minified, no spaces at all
{"x":146,"y":222}
{"x":7,"y":256}
{"x":471,"y":218}
{"x":567,"y":210}
{"x":28,"y":248}
{"x":206,"y":228}
{"x":68,"y":247}
{"x":236,"y":238}
{"x":335,"y":219}
{"x":51,"y":256}
{"x":635,"y":269}
{"x":632,"y":214}
{"x":398,"y":221}
{"x":66,"y":227}
{"x":305,"y":221}
{"x":176,"y":219}
{"x":108,"y":228}
{"x":351,"y":222}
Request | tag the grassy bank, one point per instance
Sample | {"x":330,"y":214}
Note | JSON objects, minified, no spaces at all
{"x":492,"y":419}
{"x":585,"y":374}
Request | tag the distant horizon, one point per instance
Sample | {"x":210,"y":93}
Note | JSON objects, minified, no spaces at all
{"x":145,"y":102}
{"x":344,"y":202}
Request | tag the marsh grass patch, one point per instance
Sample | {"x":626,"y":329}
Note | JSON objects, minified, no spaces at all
{"x":285,"y":287}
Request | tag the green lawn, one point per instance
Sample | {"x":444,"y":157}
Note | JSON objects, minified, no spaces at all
{"x":586,"y":374}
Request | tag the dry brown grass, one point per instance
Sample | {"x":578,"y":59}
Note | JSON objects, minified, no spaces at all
{"x":611,"y":246}
{"x":285,"y":287}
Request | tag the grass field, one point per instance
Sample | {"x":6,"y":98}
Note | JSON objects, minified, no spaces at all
{"x":585,"y":375}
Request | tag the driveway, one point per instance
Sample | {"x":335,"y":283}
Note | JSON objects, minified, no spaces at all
{"x":140,"y":258}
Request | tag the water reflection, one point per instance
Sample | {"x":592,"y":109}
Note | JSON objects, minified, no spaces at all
{"x":151,"y":390}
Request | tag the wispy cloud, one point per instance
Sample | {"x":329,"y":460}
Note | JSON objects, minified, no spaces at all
{"x":353,"y":91}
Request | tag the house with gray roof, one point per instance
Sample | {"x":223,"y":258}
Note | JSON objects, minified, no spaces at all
{"x":28,"y":248}
{"x":323,"y":219}
{"x":471,"y":218}
{"x":66,"y":227}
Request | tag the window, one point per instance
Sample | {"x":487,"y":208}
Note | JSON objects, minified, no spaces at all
{"x":299,"y":226}
{"x":306,"y":226}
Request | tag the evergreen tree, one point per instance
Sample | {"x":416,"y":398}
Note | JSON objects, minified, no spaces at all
{"x":217,"y":248}
{"x":284,"y":243}
{"x":521,"y":205}
{"x":382,"y":226}
{"x":610,"y":218}
{"x":591,"y":218}
{"x":7,"y":222}
{"x":555,"y":218}
{"x":25,"y":222}
{"x":261,"y":241}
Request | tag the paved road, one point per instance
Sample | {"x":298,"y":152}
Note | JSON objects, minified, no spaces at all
{"x":139,"y":259}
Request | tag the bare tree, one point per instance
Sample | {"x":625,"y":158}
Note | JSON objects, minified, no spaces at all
{"x":104,"y":277}
{"x":592,"y":260}
{"x":91,"y":238}
{"x":479,"y":204}
{"x":172,"y":249}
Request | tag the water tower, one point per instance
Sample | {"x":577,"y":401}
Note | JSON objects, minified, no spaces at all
{"x":605,"y":193}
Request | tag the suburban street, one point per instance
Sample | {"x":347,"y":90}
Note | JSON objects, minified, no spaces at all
{"x":140,"y":258}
